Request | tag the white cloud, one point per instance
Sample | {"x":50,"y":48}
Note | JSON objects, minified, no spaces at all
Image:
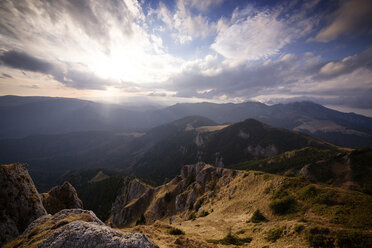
{"x":256,"y":34}
{"x":184,"y":25}
{"x":203,"y":5}
{"x":108,"y":39}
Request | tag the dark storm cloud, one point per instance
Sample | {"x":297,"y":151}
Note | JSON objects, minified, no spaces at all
{"x":73,"y":78}
{"x":23,"y":61}
{"x":4,"y":75}
{"x":347,"y":65}
{"x":353,"y":17}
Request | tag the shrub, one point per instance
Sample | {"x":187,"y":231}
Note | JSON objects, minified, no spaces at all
{"x":203,"y":213}
{"x":258,"y":217}
{"x":274,"y":234}
{"x":308,"y":192}
{"x":299,"y":228}
{"x":280,"y":193}
{"x":231,"y":239}
{"x":141,"y":220}
{"x":319,"y":237}
{"x":350,"y":239}
{"x":192,"y":216}
{"x":176,"y":231}
{"x":168,"y":197}
{"x":198,"y":204}
{"x":267,"y":190}
{"x":283,"y":206}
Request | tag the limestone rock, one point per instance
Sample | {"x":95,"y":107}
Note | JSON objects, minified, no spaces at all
{"x":180,"y":194}
{"x":76,"y":228}
{"x":20,"y":203}
{"x":61,"y":197}
{"x":131,"y":202}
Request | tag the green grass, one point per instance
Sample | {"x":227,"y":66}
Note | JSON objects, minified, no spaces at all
{"x":283,"y":206}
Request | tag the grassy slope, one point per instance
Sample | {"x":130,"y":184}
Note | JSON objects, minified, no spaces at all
{"x":329,"y":207}
{"x":335,"y":167}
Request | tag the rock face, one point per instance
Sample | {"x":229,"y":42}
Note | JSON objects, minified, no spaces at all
{"x":61,"y":197}
{"x":20,"y":203}
{"x":76,"y":228}
{"x":135,"y":196}
{"x":196,"y":183}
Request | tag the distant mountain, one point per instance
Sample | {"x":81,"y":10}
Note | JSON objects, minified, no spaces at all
{"x":50,"y":156}
{"x":246,"y":140}
{"x":156,"y":155}
{"x":39,"y":115}
{"x":24,"y":116}
{"x":345,"y":129}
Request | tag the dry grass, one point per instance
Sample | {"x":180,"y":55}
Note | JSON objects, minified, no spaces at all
{"x":231,"y":213}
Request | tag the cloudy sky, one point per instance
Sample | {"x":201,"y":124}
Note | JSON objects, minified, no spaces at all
{"x":189,"y":50}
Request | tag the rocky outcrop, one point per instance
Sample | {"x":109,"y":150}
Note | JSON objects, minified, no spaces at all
{"x":76,"y":228}
{"x":131,"y":202}
{"x":20,"y":203}
{"x":138,"y":201}
{"x":61,"y":197}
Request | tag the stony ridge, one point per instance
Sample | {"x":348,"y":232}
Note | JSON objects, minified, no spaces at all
{"x":61,"y":197}
{"x":140,"y":202}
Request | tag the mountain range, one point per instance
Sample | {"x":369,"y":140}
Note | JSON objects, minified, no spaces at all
{"x":25,"y":116}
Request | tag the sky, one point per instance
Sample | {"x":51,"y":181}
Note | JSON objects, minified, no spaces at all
{"x":189,"y":51}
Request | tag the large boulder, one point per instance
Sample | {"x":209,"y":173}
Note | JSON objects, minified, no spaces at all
{"x":20,"y":203}
{"x":76,"y":228}
{"x":61,"y":197}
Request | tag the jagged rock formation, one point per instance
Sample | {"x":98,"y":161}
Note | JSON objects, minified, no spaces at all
{"x":180,"y":194}
{"x":76,"y":228}
{"x":20,"y":202}
{"x":61,"y":197}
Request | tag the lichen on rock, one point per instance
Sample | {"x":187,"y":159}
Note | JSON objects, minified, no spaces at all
{"x":76,"y":228}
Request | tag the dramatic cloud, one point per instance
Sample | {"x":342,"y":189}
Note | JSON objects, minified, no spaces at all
{"x":288,"y":77}
{"x":354,"y":16}
{"x":24,"y":61}
{"x":68,"y":76}
{"x":188,"y":50}
{"x":183,"y":23}
{"x":256,"y":34}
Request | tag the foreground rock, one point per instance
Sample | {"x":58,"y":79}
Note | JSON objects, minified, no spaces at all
{"x":139,"y":203}
{"x":76,"y":228}
{"x":20,"y":202}
{"x":61,"y":197}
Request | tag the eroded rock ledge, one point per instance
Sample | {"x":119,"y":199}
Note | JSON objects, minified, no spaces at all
{"x":61,"y":197}
{"x":76,"y":228}
{"x":140,"y":202}
{"x":20,"y":203}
